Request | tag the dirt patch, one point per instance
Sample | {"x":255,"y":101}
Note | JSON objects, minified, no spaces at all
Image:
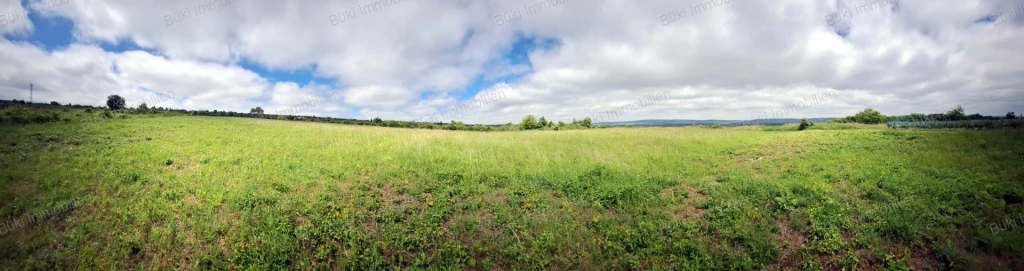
{"x":392,"y":197}
{"x":790,"y":241}
{"x":687,"y":208}
{"x":485,"y":219}
{"x":751,"y":158}
{"x":922,"y":258}
{"x":497,"y":198}
{"x":223,"y":248}
{"x":447,"y":224}
{"x":186,"y":167}
{"x":191,"y":200}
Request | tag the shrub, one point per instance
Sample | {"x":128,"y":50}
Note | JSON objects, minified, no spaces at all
{"x":804,"y":124}
{"x":115,"y":102}
{"x":42,"y":118}
{"x":23,"y":115}
{"x":869,"y":116}
{"x":956,"y":114}
{"x":529,"y":123}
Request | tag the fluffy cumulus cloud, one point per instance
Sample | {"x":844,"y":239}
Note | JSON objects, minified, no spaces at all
{"x":564,"y":59}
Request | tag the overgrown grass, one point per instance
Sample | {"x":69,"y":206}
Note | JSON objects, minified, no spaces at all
{"x":226,"y":193}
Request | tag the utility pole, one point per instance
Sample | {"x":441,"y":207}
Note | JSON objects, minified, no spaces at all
{"x":30,"y":90}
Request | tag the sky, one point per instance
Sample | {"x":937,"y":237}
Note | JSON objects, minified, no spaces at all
{"x":562,"y":59}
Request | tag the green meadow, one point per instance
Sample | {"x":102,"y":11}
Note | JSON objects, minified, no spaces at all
{"x":221,"y":193}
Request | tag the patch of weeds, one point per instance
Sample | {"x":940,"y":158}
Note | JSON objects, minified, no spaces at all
{"x":281,"y":187}
{"x":173,"y":195}
{"x":679,"y":195}
{"x":902,"y":221}
{"x":252,"y":202}
{"x":810,"y":264}
{"x":899,"y":262}
{"x":827,"y":223}
{"x":851,"y":261}
{"x":132,"y":177}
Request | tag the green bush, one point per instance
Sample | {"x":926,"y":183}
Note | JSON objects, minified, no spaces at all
{"x":529,"y":123}
{"x":23,"y":115}
{"x":869,"y":116}
{"x":115,"y":102}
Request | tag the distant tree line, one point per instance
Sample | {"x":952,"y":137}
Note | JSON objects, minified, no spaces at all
{"x":955,"y":118}
{"x":530,"y":122}
{"x":118,"y":104}
{"x":871,"y":116}
{"x":23,"y":112}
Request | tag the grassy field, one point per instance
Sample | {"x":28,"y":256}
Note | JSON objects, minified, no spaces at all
{"x":232,"y":193}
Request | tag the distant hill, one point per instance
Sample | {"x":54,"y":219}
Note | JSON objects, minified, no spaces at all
{"x":675,"y":123}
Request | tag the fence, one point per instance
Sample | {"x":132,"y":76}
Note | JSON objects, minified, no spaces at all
{"x":958,"y":124}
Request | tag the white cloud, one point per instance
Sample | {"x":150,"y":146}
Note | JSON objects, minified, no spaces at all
{"x":412,"y":58}
{"x":83,"y":74}
{"x":291,"y":99}
{"x":13,"y":17}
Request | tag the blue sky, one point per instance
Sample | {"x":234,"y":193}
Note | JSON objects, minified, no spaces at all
{"x":412,"y":59}
{"x":56,"y":33}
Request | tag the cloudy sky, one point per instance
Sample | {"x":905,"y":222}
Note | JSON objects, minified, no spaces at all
{"x":563,"y":59}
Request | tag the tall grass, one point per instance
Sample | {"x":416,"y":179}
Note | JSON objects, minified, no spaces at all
{"x":225,"y":193}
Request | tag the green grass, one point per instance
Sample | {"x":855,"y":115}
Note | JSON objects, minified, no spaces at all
{"x":232,"y":193}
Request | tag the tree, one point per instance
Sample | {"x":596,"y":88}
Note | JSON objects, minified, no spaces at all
{"x":804,"y":124}
{"x":956,"y":114}
{"x":587,"y":123}
{"x":529,"y":123}
{"x":143,"y":106}
{"x":115,"y":102}
{"x":257,"y":111}
{"x":457,"y":125}
{"x":869,"y":116}
{"x":543,"y":122}
{"x":54,"y":103}
{"x":1011,"y":115}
